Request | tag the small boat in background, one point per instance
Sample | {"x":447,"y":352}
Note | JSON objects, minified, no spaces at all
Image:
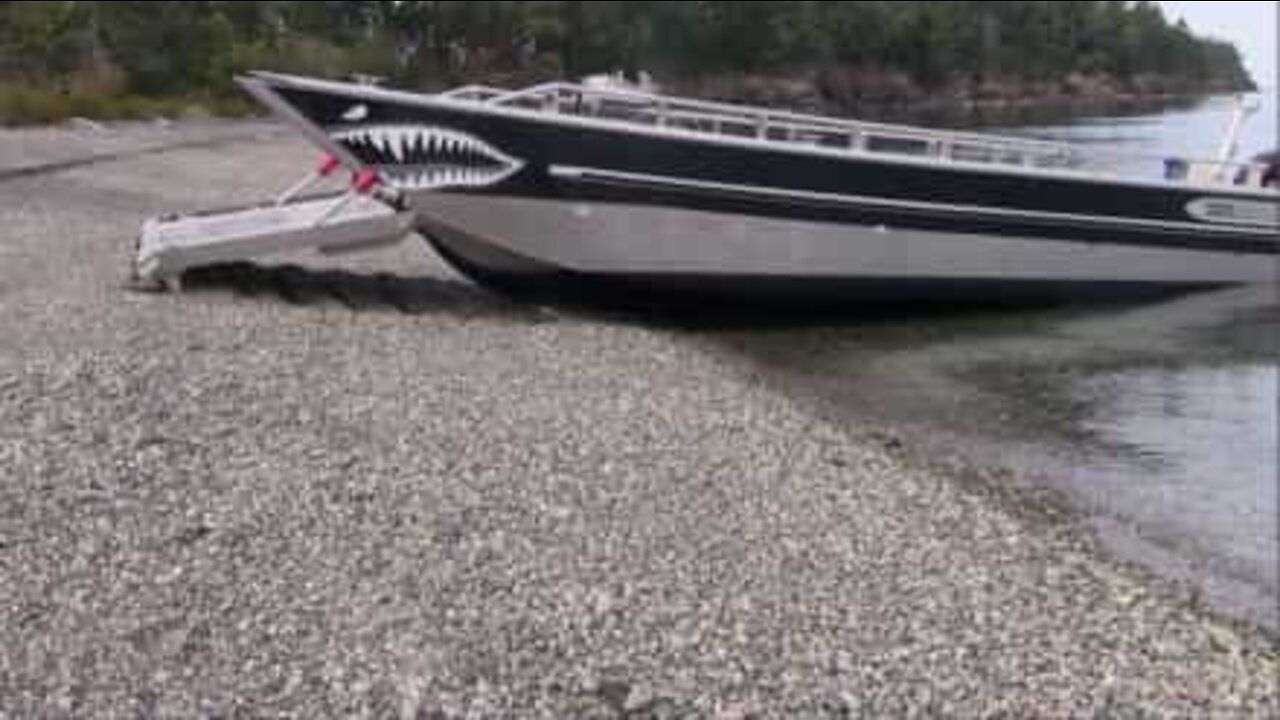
{"x":565,"y":186}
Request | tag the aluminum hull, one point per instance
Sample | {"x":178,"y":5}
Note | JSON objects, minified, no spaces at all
{"x":519,"y":198}
{"x":548,"y":246}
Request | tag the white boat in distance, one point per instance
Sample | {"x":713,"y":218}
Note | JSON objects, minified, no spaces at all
{"x":562,"y":187}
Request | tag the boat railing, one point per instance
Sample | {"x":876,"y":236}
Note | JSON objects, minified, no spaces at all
{"x":766,"y":124}
{"x":473,"y":92}
{"x":740,"y":121}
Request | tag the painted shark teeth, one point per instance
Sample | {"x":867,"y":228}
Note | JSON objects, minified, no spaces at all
{"x":422,"y":157}
{"x":398,"y":144}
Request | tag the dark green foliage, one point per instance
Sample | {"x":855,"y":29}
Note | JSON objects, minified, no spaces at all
{"x":167,"y":48}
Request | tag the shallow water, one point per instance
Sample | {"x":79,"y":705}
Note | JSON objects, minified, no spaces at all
{"x":1201,"y":469}
{"x":1157,"y":421}
{"x":1199,"y":473}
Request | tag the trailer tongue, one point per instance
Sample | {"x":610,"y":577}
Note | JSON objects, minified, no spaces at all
{"x":366,"y":215}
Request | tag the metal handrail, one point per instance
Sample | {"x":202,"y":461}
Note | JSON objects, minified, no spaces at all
{"x":473,"y":92}
{"x":745,"y":112}
{"x":779,"y":125}
{"x":745,"y":121}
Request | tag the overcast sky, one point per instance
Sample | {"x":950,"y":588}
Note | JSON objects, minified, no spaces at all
{"x":1252,"y":26}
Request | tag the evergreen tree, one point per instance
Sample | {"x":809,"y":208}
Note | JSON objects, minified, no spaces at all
{"x":178,"y":47}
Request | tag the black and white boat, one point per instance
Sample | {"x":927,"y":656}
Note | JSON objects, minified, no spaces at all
{"x":581,"y":185}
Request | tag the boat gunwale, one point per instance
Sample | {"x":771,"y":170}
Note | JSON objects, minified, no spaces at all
{"x":472,"y":107}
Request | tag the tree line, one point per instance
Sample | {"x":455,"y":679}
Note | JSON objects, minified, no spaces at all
{"x":171,"y":48}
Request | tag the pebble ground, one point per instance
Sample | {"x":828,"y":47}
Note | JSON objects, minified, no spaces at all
{"x":224,"y":503}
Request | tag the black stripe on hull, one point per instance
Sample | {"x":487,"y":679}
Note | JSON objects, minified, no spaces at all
{"x":541,"y":143}
{"x":851,"y":212}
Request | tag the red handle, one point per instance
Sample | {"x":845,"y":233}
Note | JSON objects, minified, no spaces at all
{"x":328,"y":165}
{"x":364,"y":181}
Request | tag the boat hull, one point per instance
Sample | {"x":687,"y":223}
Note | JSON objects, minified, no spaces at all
{"x":617,"y":250}
{"x":521,"y":198}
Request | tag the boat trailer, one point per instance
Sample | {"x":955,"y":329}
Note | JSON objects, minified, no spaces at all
{"x":368,"y":214}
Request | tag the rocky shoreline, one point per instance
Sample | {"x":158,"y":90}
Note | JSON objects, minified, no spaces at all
{"x":877,"y":94}
{"x":224,"y":503}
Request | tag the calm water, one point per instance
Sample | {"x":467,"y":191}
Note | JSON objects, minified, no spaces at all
{"x":1200,"y":477}
{"x":1157,"y":421}
{"x":1193,"y":132}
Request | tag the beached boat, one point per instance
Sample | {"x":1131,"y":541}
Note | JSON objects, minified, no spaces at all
{"x":563,"y":186}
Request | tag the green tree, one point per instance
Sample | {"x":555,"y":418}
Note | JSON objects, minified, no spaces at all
{"x":168,"y":47}
{"x":179,"y":47}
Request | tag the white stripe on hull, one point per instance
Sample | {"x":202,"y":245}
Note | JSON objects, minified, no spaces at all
{"x":606,"y":238}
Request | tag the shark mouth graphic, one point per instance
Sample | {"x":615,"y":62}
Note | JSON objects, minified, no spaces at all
{"x":419,"y":157}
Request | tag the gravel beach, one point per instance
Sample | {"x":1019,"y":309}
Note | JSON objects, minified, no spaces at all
{"x":438,"y":504}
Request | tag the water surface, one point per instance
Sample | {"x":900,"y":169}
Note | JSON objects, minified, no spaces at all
{"x":1157,"y":421}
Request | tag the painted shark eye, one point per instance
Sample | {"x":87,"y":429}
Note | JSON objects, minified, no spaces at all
{"x":356,"y":113}
{"x":420,"y":157}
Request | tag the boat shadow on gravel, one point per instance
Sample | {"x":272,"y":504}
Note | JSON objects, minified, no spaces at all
{"x":423,"y":294}
{"x":359,"y":292}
